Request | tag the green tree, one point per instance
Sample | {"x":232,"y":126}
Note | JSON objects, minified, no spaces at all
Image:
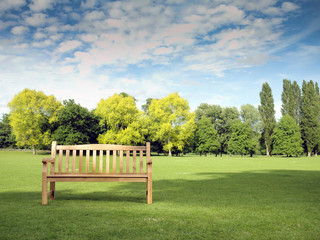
{"x":250,"y":115}
{"x":310,"y":110}
{"x":206,"y":136}
{"x":122,"y":119}
{"x":241,"y":139}
{"x":228,"y":117}
{"x":145,"y":107}
{"x":172,"y":123}
{"x":297,"y":102}
{"x":31,"y":113}
{"x":291,"y":100}
{"x":287,"y":137}
{"x":76,"y":125}
{"x":267,"y":114}
{"x":6,"y":137}
{"x":212,"y":112}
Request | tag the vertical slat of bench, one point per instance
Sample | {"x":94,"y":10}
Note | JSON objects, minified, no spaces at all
{"x":80,"y":161}
{"x":74,"y":155}
{"x":87,"y":160}
{"x":94,"y":158}
{"x":60,"y":161}
{"x":67,"y":160}
{"x":100,"y":161}
{"x":134,"y":161}
{"x":121,"y":161}
{"x":128,"y":161}
{"x":141,"y":161}
{"x":114,"y":164}
{"x":149,"y":171}
{"x":108,"y":161}
{"x":53,"y":168}
{"x":53,"y":155}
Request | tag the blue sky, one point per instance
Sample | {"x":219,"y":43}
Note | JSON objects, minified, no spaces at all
{"x":216,"y":52}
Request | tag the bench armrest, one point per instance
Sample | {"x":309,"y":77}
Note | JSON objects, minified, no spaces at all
{"x":48,"y":160}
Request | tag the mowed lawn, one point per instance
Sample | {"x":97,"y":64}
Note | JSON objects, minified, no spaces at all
{"x":193,"y":198}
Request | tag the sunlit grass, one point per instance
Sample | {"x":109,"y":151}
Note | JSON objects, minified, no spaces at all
{"x":193,"y":198}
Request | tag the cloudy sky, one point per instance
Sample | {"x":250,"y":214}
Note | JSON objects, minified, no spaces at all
{"x":217,"y":52}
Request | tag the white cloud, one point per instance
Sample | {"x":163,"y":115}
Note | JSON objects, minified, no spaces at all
{"x":37,"y":19}
{"x":163,"y":50}
{"x":19,"y":30}
{"x":39,"y":5}
{"x":68,"y":46}
{"x":9,"y":4}
{"x":289,"y":6}
{"x":42,"y":44}
{"x":94,"y":15}
{"x":39,"y":35}
{"x":88,"y":3}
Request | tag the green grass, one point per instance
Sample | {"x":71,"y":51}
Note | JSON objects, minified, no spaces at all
{"x":193,"y":198}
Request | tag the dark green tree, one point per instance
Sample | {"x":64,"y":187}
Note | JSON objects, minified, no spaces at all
{"x":291,"y":100}
{"x":310,"y":110}
{"x":7,"y":139}
{"x":242,"y":139}
{"x":250,"y":115}
{"x":76,"y":125}
{"x":207,"y":137}
{"x":297,"y":102}
{"x":145,"y":107}
{"x":267,"y":113}
{"x":212,"y":112}
{"x":287,"y":137}
{"x":228,"y":117}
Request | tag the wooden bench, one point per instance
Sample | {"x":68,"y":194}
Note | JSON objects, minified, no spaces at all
{"x":97,"y":163}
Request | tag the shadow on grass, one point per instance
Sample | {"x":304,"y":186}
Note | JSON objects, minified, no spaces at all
{"x":204,"y":189}
{"x":239,"y":189}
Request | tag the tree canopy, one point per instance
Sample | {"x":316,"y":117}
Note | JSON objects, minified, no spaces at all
{"x":121,"y":118}
{"x":287,"y":137}
{"x":7,"y":139}
{"x":267,"y":112}
{"x":30,"y":114}
{"x":172,"y":123}
{"x":310,"y":115}
{"x":206,"y":136}
{"x":75,"y":125}
{"x":241,"y":139}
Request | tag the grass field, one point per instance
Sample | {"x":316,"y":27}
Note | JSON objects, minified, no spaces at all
{"x":193,"y":198}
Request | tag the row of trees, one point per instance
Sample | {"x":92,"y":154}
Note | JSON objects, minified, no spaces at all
{"x":36,"y":119}
{"x":299,"y":127}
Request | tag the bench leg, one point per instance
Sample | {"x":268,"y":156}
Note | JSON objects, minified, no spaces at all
{"x":44,"y":191}
{"x":149,"y":190}
{"x":52,"y":188}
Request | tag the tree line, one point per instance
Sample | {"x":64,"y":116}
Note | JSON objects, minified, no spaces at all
{"x":36,"y":119}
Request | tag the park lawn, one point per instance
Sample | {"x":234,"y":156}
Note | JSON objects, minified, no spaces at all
{"x":193,"y":198}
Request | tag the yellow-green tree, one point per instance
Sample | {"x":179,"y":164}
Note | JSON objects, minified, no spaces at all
{"x":172,"y":123}
{"x":31,"y":114}
{"x":122,"y":119}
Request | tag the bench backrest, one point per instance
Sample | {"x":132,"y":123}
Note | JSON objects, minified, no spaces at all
{"x":100,"y":158}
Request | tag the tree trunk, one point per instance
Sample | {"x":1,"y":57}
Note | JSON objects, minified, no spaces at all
{"x":309,"y":154}
{"x":267,"y":150}
{"x":170,"y":154}
{"x":34,"y":150}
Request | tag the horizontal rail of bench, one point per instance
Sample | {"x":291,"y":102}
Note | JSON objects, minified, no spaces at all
{"x":97,"y":179}
{"x":100,"y":147}
{"x":94,"y":175}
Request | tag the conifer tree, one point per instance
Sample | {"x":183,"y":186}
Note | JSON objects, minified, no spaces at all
{"x":267,"y":113}
{"x":291,"y":100}
{"x":310,"y":114}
